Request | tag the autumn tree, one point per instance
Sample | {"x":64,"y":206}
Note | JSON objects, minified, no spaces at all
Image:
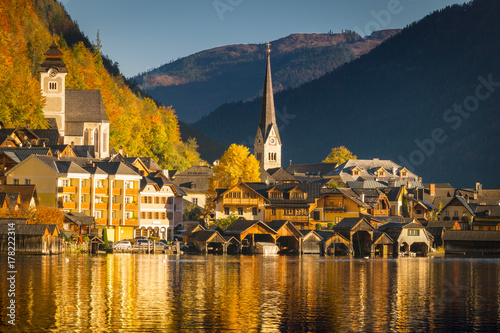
{"x":236,"y":163}
{"x":339,"y":155}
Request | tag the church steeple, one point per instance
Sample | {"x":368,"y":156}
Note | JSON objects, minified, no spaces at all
{"x":267,"y":145}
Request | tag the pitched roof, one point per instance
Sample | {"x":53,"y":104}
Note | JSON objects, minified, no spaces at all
{"x":368,"y":169}
{"x":26,"y":192}
{"x":241,"y":225}
{"x":25,"y":229}
{"x":316,"y":169}
{"x":194,"y":179}
{"x":50,"y":136}
{"x":83,"y":106}
{"x":207,"y":235}
{"x":116,"y":168}
{"x":281,"y":175}
{"x":78,"y":218}
{"x":349,"y":223}
{"x":23,"y":153}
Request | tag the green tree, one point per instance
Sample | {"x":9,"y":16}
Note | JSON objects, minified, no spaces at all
{"x":192,"y":212}
{"x":406,"y":209}
{"x":236,"y":163}
{"x":105,"y":237}
{"x":339,"y":155}
{"x":226,"y":222}
{"x":330,"y":226}
{"x":318,"y":226}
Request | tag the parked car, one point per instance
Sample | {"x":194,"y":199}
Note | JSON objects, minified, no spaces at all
{"x":142,"y":242}
{"x":122,"y":245}
{"x":162,"y":245}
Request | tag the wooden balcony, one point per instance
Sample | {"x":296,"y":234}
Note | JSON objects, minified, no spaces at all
{"x":85,"y":205}
{"x":132,"y":222}
{"x":101,"y":190}
{"x":117,"y":206}
{"x":85,"y":190}
{"x":117,"y":191}
{"x":69,"y":205}
{"x":241,"y":201}
{"x":297,"y":219}
{"x":116,"y":221}
{"x":131,"y":207}
{"x":66,"y":189}
{"x":101,"y":221}
{"x":101,"y":206}
{"x":131,"y":191}
{"x":334,"y":208}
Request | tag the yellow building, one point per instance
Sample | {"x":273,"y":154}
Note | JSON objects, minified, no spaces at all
{"x":108,"y":191}
{"x":457,"y":209}
{"x":240,"y":200}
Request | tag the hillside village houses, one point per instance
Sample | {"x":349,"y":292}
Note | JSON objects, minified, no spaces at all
{"x":360,"y":207}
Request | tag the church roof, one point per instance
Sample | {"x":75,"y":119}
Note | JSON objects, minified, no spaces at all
{"x":267,"y":112}
{"x":83,"y":106}
{"x":53,"y":59}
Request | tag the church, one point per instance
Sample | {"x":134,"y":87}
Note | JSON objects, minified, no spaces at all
{"x":267,"y":144}
{"x":79,"y":115}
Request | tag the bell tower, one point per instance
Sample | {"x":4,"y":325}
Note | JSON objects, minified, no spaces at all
{"x":53,"y":80}
{"x":267,"y":144}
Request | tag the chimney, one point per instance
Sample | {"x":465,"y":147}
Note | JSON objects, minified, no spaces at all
{"x":479,"y":189}
{"x":73,"y":145}
{"x":362,"y":197}
{"x":467,"y":198}
{"x":432,"y":189}
{"x":394,"y":170}
{"x":475,"y":195}
{"x":120,"y":150}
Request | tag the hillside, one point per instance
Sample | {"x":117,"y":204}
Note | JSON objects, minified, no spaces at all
{"x":197,"y":84}
{"x":25,"y":27}
{"x":407,"y":100}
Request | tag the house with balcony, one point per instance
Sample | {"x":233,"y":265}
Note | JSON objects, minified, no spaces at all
{"x":241,"y":200}
{"x":160,"y":207}
{"x":107,"y":191}
{"x":339,"y":203}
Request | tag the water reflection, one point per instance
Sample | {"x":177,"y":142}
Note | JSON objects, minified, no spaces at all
{"x":253,"y":294}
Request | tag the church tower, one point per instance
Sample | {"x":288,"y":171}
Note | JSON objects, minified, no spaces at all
{"x":267,"y":144}
{"x":53,"y":81}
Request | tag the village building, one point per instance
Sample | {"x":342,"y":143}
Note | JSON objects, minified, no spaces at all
{"x":78,"y":115}
{"x":267,"y":144}
{"x":241,"y":200}
{"x":31,"y":238}
{"x":458,"y":209}
{"x":250,"y":232}
{"x":160,"y":207}
{"x":194,"y":182}
{"x":409,"y":238}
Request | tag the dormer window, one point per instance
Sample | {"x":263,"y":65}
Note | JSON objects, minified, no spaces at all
{"x":356,"y":171}
{"x":403,"y":174}
{"x":52,"y":85}
{"x":275,"y":195}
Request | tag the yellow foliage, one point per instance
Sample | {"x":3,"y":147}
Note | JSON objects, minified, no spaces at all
{"x":339,"y":155}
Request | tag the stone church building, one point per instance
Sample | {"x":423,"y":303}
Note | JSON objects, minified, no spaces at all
{"x":79,"y":115}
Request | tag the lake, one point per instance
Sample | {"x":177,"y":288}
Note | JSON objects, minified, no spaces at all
{"x":189,"y":293}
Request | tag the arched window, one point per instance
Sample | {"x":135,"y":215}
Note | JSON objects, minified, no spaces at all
{"x":105,"y":142}
{"x":96,"y":140}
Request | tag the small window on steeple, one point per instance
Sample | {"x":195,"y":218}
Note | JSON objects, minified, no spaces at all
{"x":52,"y":85}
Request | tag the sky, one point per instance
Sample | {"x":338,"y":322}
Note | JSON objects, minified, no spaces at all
{"x":143,"y":35}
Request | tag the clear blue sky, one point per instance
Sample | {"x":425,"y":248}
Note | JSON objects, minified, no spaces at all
{"x":142,"y":35}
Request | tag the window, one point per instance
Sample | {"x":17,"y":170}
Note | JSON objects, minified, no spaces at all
{"x":419,"y":211}
{"x":297,"y":195}
{"x":447,"y":213}
{"x":355,"y":173}
{"x":157,"y":200}
{"x":128,"y":200}
{"x":301,"y":212}
{"x":27,"y":181}
{"x":150,"y":215}
{"x":455,"y":213}
{"x":98,"y":183}
{"x":275,"y":195}
{"x":289,"y":212}
{"x":143,"y":199}
{"x":338,"y":219}
{"x":143,"y":215}
{"x":240,"y":210}
{"x":129,"y":215}
{"x":129,"y":185}
{"x":273,"y":211}
{"x":64,"y":198}
{"x":316,"y":215}
{"x":163,"y":200}
{"x":97,"y":214}
{"x":52,"y":85}
{"x":175,"y":207}
{"x":195,"y":201}
{"x":259,"y":156}
{"x":163,"y":215}
{"x":226,"y":210}
{"x":16,"y":181}
{"x":413,"y":232}
{"x":157,"y":215}
{"x":272,"y":156}
{"x":403,"y":173}
{"x":381,"y":173}
{"x":64,"y":182}
{"x":254,"y":211}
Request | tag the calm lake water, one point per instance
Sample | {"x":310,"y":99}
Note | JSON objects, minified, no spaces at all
{"x":169,"y":293}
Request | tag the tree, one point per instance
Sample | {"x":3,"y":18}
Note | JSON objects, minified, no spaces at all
{"x":226,"y":222}
{"x":318,"y":226}
{"x":330,"y":226}
{"x":191,"y":212}
{"x":339,"y":155}
{"x":105,"y":237}
{"x":406,"y":208}
{"x":236,"y":163}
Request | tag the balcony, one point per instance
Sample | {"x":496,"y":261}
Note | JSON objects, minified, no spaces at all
{"x":239,"y":201}
{"x":131,"y":207}
{"x":116,"y":221}
{"x":335,"y":208}
{"x":133,"y":222}
{"x":85,"y":190}
{"x":101,"y":206}
{"x":102,"y":221}
{"x":85,"y":205}
{"x":69,"y":205}
{"x":131,"y":191}
{"x":117,"y":206}
{"x":117,"y":191}
{"x":101,"y":190}
{"x":66,"y":189}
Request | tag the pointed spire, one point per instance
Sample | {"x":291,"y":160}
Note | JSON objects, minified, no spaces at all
{"x":267,"y":112}
{"x":53,"y":59}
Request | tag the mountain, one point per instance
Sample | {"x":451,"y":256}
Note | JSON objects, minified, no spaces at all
{"x":27,"y":29}
{"x":197,"y":84}
{"x":427,"y":98}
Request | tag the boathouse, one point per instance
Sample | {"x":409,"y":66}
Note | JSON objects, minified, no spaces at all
{"x":311,"y":242}
{"x":359,"y":232}
{"x":289,"y":238}
{"x":472,"y":242}
{"x":248,"y":232}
